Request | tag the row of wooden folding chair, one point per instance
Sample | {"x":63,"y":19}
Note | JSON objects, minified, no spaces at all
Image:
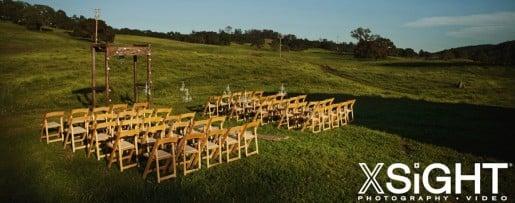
{"x":216,"y":105}
{"x":52,"y":129}
{"x":329,"y":116}
{"x":195,"y":146}
{"x":292,"y":116}
{"x":257,"y":108}
{"x":79,"y":121}
{"x":103,"y":132}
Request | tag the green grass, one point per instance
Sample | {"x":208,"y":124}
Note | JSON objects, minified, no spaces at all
{"x":407,"y":111}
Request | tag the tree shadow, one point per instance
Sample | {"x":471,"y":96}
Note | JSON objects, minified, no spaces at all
{"x":476,"y":129}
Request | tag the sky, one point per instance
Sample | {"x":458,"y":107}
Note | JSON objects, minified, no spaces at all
{"x":431,"y":25}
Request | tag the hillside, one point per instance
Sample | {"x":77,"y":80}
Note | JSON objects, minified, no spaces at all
{"x":502,"y":53}
{"x":407,"y":111}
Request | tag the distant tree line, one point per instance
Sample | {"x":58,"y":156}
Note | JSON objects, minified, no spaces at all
{"x":374,"y":46}
{"x":254,"y":37}
{"x":44,"y":18}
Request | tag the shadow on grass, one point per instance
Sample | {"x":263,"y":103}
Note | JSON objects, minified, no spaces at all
{"x":475,"y":129}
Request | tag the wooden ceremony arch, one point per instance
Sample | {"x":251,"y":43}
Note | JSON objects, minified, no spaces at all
{"x":111,"y":50}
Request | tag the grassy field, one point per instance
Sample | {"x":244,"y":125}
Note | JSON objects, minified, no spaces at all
{"x":407,"y":111}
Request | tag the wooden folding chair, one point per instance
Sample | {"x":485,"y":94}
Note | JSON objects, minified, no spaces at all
{"x":328,"y":102}
{"x":232,"y":143}
{"x":314,"y":120}
{"x":334,"y":115}
{"x":117,"y":108}
{"x":130,"y":124}
{"x":257,"y":94}
{"x":214,"y":141}
{"x":82,"y":112}
{"x":102,"y":117}
{"x":52,"y":129}
{"x":187,"y":117}
{"x":279,"y":107}
{"x":225,"y":104}
{"x":191,"y":155}
{"x":212,"y":106}
{"x":102,"y":133}
{"x":150,"y":136}
{"x":312,"y":105}
{"x":162,"y":150}
{"x":291,"y":115}
{"x":77,"y":131}
{"x":248,"y":94}
{"x":151,"y":122}
{"x":350,"y":110}
{"x":326,"y":118}
{"x":169,"y":121}
{"x":342,"y":113}
{"x":237,"y":108}
{"x":264,"y":110}
{"x":180,"y":128}
{"x":138,"y":106}
{"x":101,"y":110}
{"x":125,"y":115}
{"x":250,"y":134}
{"x":201,"y":126}
{"x":217,"y":123}
{"x":124,"y":147}
{"x":301,"y":98}
{"x":235,"y":98}
{"x":145,"y":113}
{"x":162,"y":112}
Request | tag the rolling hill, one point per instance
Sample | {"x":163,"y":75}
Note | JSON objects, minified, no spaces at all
{"x":407,"y":111}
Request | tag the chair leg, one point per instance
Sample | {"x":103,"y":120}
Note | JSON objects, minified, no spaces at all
{"x":158,"y":171}
{"x":146,"y":171}
{"x":97,"y":145}
{"x":256,"y":142}
{"x":120,"y":160}
{"x":47,"y":137}
{"x":73,"y":143}
{"x":208,"y":156}
{"x":111,"y":158}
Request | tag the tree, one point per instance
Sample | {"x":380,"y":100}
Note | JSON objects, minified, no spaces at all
{"x":363,"y":34}
{"x":85,"y":28}
{"x":32,"y":18}
{"x":371,"y":45}
{"x":424,"y":54}
{"x":228,"y":29}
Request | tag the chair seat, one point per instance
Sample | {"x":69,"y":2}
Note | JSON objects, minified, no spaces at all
{"x":150,"y":140}
{"x":189,"y":149}
{"x":248,"y":135}
{"x":123,"y":145}
{"x":160,"y":154}
{"x":211,"y":145}
{"x":231,"y":140}
{"x":102,"y":137}
{"x":196,"y":131}
{"x":211,"y":128}
{"x":78,"y":130}
{"x":211,"y":106}
{"x":53,"y":124}
{"x":223,"y":104}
